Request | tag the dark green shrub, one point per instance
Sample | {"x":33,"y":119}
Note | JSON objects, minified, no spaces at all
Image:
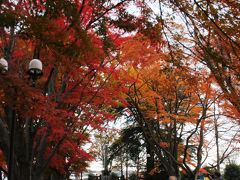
{"x":114,"y":176}
{"x":232,"y":172}
{"x":133,"y":176}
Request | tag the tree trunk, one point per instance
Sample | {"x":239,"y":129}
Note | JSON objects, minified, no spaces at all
{"x":138,"y":165}
{"x":121,"y":167}
{"x":37,"y":177}
{"x":11,"y":160}
{"x":217,"y":138}
{"x":127,"y":168}
{"x":81,"y":176}
{"x":150,"y":158}
{"x":56,"y":176}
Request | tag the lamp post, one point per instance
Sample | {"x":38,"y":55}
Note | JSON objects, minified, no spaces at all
{"x":34,"y":71}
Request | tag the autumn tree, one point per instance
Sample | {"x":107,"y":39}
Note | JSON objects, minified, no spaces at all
{"x":206,"y":36}
{"x":76,"y":41}
{"x":212,"y":30}
{"x":208,"y":33}
{"x":171,"y":102}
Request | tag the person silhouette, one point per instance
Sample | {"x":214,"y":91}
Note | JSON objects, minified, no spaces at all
{"x":217,"y":176}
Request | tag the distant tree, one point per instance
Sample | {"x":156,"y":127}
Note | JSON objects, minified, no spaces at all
{"x":127,"y":148}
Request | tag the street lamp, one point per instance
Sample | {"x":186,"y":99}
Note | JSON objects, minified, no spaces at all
{"x":34,"y":71}
{"x":3,"y":65}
